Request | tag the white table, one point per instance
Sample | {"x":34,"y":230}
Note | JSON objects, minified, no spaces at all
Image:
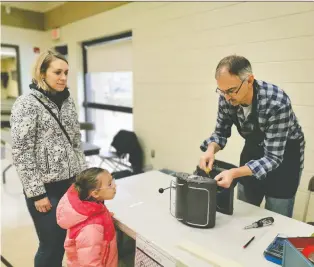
{"x":140,"y":209}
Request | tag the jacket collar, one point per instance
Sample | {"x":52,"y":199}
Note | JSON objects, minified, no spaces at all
{"x":87,"y":208}
{"x":56,"y":97}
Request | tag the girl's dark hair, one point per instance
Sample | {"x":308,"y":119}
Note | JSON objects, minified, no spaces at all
{"x":87,"y":181}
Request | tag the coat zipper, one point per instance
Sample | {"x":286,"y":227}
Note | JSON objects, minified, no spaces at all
{"x":66,"y":152}
{"x":78,"y":161}
{"x":47,"y":161}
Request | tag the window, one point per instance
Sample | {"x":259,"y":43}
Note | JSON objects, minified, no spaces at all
{"x":108,"y":80}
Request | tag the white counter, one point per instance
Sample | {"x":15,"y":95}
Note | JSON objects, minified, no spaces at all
{"x":140,"y":209}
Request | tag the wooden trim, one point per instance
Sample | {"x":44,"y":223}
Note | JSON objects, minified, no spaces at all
{"x":74,"y":11}
{"x":22,"y":18}
{"x":57,"y":17}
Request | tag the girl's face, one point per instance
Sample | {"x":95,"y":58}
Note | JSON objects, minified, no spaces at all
{"x":106,"y":188}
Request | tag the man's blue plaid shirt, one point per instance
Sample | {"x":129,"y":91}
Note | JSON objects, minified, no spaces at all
{"x":276,"y":119}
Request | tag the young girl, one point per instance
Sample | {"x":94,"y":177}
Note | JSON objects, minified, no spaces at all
{"x":91,"y":239}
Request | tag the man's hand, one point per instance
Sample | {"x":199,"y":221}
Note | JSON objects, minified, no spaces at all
{"x":43,"y":205}
{"x":207,"y":160}
{"x":225,"y":178}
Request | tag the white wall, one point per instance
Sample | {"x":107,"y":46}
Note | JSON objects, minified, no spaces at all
{"x":176,"y":47}
{"x":26,"y":40}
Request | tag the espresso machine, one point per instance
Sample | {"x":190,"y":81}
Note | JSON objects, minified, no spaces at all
{"x":197,"y":197}
{"x":224,"y":196}
{"x":195,"y":200}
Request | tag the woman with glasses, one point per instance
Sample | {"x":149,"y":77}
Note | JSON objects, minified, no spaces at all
{"x":91,"y":236}
{"x":272,"y":158}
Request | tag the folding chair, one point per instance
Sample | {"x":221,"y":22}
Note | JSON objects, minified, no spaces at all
{"x":125,"y":155}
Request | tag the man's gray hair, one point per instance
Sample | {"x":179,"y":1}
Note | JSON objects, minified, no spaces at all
{"x":236,"y":65}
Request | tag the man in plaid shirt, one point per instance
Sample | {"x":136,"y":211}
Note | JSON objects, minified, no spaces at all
{"x":273,"y":155}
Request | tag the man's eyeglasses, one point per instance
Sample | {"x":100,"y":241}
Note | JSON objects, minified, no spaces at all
{"x":229,"y":91}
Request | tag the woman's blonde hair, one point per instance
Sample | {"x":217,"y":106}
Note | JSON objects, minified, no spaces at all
{"x":42,"y":64}
{"x":87,"y":181}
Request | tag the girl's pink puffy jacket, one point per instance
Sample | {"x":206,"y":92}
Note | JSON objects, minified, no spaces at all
{"x":91,"y":238}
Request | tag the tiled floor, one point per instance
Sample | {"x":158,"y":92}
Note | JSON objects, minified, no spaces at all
{"x":18,"y":238}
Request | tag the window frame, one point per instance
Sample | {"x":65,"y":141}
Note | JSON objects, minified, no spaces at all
{"x":94,"y":105}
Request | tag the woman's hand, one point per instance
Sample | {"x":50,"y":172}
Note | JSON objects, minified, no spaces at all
{"x":43,"y":205}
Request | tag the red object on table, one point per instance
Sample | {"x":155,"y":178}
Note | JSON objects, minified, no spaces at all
{"x":308,"y":251}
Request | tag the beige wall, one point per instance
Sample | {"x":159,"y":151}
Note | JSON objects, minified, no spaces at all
{"x":26,"y":40}
{"x":176,"y":47}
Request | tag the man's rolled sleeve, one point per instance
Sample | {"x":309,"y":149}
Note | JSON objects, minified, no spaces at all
{"x":223,"y":127}
{"x":276,"y":135}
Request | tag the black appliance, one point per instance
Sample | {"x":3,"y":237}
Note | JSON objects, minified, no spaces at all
{"x":197,"y":196}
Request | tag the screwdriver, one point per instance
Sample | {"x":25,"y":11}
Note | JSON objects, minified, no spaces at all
{"x":207,"y":170}
{"x":260,"y":223}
